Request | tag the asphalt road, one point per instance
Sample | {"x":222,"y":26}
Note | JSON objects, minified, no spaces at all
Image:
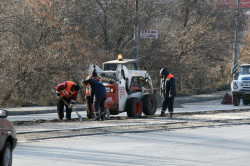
{"x":201,"y":133}
{"x":39,"y":119}
{"x":213,"y":146}
{"x":191,"y":115}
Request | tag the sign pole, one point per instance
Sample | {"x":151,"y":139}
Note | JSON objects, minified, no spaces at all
{"x":136,"y":31}
{"x":236,"y":44}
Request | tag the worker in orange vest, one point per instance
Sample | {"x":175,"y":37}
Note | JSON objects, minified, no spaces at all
{"x":66,"y":92}
{"x":89,"y":101}
{"x":167,"y":91}
{"x":89,"y":96}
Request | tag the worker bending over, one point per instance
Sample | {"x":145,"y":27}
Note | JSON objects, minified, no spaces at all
{"x":66,"y":95}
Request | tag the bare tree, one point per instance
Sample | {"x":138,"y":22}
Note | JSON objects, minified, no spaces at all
{"x":46,"y":42}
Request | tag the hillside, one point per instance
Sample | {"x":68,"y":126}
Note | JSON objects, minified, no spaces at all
{"x":46,"y":42}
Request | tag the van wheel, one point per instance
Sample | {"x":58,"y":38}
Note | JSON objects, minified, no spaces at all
{"x":134,"y":107}
{"x":149,"y":104}
{"x":236,"y":100}
{"x":6,"y":155}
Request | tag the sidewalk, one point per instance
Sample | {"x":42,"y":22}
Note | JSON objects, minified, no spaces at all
{"x":82,"y":107}
{"x":202,"y":97}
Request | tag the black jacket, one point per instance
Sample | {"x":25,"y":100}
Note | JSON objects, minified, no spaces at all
{"x":98,"y":90}
{"x":167,"y":84}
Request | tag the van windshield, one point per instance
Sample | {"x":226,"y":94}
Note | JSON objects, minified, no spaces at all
{"x":244,"y":70}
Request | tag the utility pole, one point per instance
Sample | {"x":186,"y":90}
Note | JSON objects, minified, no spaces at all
{"x":136,"y":29}
{"x":236,"y":44}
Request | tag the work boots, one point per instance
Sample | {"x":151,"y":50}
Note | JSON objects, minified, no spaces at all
{"x":102,"y":117}
{"x":97,"y":117}
{"x":162,"y":113}
{"x":91,"y":115}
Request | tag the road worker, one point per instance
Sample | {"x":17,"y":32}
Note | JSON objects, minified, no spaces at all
{"x":98,"y":94}
{"x":66,"y":95}
{"x":167,"y":91}
{"x":89,"y":100}
{"x":89,"y":97}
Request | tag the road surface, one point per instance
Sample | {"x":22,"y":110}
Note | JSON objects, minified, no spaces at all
{"x":201,"y":133}
{"x":216,"y":146}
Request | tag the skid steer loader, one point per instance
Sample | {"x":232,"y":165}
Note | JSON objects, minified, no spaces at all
{"x":128,"y":89}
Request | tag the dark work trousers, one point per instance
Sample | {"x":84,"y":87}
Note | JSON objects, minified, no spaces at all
{"x":60,"y":109}
{"x":90,"y":111}
{"x":98,"y":107}
{"x":168,"y":103}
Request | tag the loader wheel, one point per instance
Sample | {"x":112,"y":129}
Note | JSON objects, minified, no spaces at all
{"x":134,"y":107}
{"x":236,"y":100}
{"x":149,"y":104}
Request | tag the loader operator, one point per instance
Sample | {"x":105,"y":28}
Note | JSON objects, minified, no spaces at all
{"x":89,"y":97}
{"x":167,"y":91}
{"x":98,"y":93}
{"x":66,"y":95}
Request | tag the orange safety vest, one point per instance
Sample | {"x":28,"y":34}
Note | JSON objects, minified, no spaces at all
{"x":66,"y":92}
{"x":87,"y":88}
{"x":169,"y":76}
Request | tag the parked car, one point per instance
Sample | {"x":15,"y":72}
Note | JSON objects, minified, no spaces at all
{"x":8,"y":139}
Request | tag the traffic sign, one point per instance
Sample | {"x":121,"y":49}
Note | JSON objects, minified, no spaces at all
{"x":244,"y":3}
{"x":230,"y":4}
{"x":149,"y":34}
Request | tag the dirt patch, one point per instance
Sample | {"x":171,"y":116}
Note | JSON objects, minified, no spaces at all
{"x":42,"y":129}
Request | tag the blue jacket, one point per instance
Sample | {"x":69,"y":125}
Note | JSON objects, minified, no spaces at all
{"x":98,"y":90}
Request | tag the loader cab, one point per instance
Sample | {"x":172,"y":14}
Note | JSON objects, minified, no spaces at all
{"x":131,"y":64}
